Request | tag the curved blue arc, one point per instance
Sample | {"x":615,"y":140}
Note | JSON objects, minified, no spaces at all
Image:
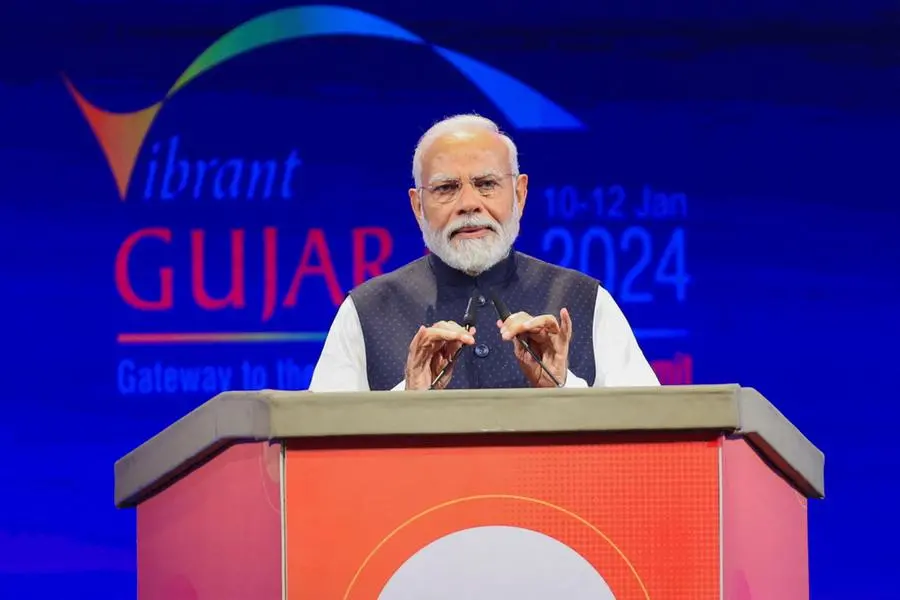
{"x":338,"y":20}
{"x":523,"y":106}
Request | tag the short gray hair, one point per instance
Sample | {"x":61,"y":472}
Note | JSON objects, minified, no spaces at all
{"x":460,"y":123}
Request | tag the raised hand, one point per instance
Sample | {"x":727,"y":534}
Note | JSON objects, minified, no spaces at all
{"x":431,"y":349}
{"x":548,"y":338}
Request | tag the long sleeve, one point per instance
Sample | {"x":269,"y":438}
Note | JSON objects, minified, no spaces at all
{"x":619,"y":360}
{"x":342,"y":364}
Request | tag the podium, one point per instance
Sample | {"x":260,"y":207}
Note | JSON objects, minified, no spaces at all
{"x":672,"y":492}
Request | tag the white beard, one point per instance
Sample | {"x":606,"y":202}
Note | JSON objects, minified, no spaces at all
{"x":473,"y":255}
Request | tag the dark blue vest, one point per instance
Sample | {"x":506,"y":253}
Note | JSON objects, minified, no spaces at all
{"x":392,"y":306}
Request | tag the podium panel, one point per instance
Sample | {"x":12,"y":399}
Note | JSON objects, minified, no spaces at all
{"x":216,"y":533}
{"x":695,"y":493}
{"x":642,"y":513}
{"x":765,"y":543}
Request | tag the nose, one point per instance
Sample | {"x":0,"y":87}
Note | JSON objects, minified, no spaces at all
{"x":469,"y":200}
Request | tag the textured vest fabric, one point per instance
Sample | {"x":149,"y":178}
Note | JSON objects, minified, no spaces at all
{"x":392,"y":306}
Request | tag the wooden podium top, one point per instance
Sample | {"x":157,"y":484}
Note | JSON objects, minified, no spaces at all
{"x":233,"y":417}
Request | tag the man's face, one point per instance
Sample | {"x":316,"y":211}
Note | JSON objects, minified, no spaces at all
{"x":469,"y":203}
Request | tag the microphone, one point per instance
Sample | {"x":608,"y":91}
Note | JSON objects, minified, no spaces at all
{"x":503,"y":313}
{"x":468,"y":323}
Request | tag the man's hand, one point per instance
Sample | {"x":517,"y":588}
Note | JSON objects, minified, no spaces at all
{"x":548,"y":338}
{"x":430,"y":350}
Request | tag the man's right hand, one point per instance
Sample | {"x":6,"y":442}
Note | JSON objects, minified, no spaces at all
{"x":430,"y":350}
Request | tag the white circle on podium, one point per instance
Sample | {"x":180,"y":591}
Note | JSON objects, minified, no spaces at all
{"x":487,"y":563}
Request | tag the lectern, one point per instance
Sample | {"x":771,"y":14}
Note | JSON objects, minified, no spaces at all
{"x":673,"y":492}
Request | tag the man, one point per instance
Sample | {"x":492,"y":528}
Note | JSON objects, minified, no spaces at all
{"x":399,"y":330}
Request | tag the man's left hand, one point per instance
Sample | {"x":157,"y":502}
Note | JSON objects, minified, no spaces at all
{"x":548,"y":338}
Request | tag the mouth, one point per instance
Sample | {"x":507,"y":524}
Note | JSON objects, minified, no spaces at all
{"x":471,"y":232}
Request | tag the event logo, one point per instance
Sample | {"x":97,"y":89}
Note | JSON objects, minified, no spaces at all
{"x":122,"y":135}
{"x":259,"y":287}
{"x":248,"y":277}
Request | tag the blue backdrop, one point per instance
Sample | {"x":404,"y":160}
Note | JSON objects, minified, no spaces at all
{"x":728,"y":173}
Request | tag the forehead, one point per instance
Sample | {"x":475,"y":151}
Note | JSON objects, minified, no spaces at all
{"x":465,"y":153}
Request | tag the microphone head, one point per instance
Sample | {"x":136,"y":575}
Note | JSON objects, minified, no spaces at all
{"x":502,"y":310}
{"x":469,"y":316}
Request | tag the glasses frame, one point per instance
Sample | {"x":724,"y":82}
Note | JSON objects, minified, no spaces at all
{"x":456,"y":196}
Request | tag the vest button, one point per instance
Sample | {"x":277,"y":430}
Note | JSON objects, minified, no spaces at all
{"x":482,"y":350}
{"x":481,"y":300}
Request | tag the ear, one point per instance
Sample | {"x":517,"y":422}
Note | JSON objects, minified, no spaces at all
{"x":415,"y":203}
{"x":521,"y":191}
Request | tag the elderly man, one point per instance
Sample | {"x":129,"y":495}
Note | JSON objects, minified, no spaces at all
{"x":402,"y":330}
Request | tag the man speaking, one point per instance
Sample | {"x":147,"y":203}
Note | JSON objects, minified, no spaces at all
{"x":475,"y":313}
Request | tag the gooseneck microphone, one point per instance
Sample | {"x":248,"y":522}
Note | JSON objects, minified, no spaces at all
{"x":503,"y":313}
{"x":468,"y":323}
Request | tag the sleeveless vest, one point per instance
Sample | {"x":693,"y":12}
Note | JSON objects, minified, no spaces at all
{"x":392,"y":306}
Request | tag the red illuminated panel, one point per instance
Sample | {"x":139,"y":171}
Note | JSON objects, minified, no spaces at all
{"x":644,"y":515}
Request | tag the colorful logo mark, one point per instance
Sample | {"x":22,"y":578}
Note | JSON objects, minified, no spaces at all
{"x":121,"y":135}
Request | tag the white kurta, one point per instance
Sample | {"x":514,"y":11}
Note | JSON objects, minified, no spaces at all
{"x":619,"y":360}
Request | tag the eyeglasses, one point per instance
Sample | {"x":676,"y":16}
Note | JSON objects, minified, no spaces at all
{"x":446,"y":191}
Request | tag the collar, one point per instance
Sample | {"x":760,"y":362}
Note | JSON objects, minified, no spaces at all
{"x":500,"y":273}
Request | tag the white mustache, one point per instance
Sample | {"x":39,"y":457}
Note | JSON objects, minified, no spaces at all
{"x":471,"y":221}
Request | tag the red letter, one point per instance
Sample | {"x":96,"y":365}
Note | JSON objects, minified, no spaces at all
{"x":123,"y":281}
{"x":315,"y":239}
{"x":235,"y":297}
{"x":685,"y":363}
{"x":677,"y":371}
{"x":361,"y":267}
{"x":270,"y":271}
{"x":664,"y":370}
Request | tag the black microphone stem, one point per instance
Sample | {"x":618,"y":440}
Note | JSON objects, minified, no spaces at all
{"x":527,"y":346}
{"x":503,"y":313}
{"x":447,"y":366}
{"x":468,"y":324}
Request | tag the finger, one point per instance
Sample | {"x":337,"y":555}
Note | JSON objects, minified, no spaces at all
{"x":438,"y":333}
{"x":525,"y":360}
{"x":437,"y":363}
{"x":512,"y":321}
{"x":417,"y":340}
{"x":442,"y":355}
{"x":418,"y":353}
{"x":441,"y":361}
{"x":439,"y":358}
{"x":451,"y":326}
{"x":546,"y":322}
{"x":514,"y":318}
{"x":434,"y":334}
{"x":521,"y":354}
{"x":565,"y":323}
{"x":449,"y":349}
{"x":543,"y":324}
